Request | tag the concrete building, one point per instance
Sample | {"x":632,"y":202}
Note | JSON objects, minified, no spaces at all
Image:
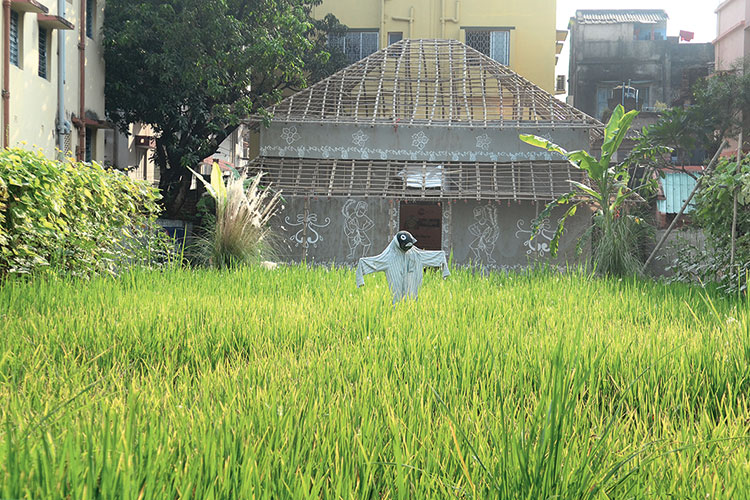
{"x":422,"y":136}
{"x":518,"y":33}
{"x":732,"y":42}
{"x":54,"y":99}
{"x":624,"y":57}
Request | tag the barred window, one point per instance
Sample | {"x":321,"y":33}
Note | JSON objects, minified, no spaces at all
{"x":14,"y":43}
{"x":90,"y":144}
{"x":495,"y":44}
{"x":42,"y":52}
{"x":355,"y":44}
{"x":90,"y":18}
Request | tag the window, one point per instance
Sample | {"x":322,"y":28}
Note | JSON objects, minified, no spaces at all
{"x":355,"y":44}
{"x":560,"y":84}
{"x":43,"y":52}
{"x":603,"y":95}
{"x":90,"y":18}
{"x":395,"y":36}
{"x":14,"y":39}
{"x":643,"y":31}
{"x":90,"y":144}
{"x":495,"y":44}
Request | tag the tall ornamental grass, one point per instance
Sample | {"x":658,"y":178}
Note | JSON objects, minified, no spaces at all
{"x":239,"y":233}
{"x":190,"y":384}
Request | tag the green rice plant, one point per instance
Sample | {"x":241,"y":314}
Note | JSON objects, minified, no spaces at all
{"x":529,"y":385}
{"x":239,"y":233}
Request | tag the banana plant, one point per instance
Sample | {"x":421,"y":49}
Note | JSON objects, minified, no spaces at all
{"x":607,"y":189}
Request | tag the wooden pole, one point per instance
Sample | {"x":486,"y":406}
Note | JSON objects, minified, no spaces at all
{"x":684,"y":205}
{"x":734,"y":207}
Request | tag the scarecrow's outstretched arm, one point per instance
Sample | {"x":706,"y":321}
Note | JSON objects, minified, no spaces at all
{"x":369,"y":265}
{"x":434,"y":258}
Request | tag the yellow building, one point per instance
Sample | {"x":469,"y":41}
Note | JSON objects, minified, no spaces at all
{"x":43,"y":106}
{"x":517,"y":33}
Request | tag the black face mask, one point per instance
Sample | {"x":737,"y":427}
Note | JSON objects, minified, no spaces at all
{"x":405,"y":240}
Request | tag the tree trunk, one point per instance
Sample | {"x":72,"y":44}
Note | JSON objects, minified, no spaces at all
{"x":175,"y":200}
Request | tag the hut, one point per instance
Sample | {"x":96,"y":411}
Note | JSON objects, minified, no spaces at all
{"x":421,"y":136}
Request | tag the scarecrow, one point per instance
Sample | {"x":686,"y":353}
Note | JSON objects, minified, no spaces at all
{"x":403,"y":264}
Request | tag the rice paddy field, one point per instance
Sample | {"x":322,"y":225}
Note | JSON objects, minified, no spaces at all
{"x":294,"y":384}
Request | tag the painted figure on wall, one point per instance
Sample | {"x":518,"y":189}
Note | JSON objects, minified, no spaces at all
{"x":403,"y":264}
{"x":485,"y":232}
{"x":356,"y":226}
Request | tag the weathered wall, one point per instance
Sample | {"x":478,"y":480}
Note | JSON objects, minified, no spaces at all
{"x":497,"y":234}
{"x":605,"y":32}
{"x":733,"y":40}
{"x":492,"y":234}
{"x":656,"y":64}
{"x":668,"y":253}
{"x":334,"y":230}
{"x":413,"y":142}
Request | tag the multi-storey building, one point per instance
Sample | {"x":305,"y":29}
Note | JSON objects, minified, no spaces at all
{"x":517,"y":33}
{"x":732,"y":42}
{"x":54,"y":99}
{"x":624,"y":57}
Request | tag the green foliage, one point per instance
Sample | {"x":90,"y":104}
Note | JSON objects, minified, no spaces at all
{"x":713,"y":115}
{"x":614,"y":252}
{"x":193,"y":69}
{"x":295,"y":384}
{"x":74,"y":218}
{"x":714,"y":207}
{"x":239,"y":232}
{"x":714,"y":203}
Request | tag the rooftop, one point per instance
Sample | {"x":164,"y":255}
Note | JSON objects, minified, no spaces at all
{"x":614,"y":16}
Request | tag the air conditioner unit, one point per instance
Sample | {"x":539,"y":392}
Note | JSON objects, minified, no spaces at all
{"x":144,"y":141}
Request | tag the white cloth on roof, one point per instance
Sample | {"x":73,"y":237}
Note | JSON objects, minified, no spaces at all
{"x":403,"y":270}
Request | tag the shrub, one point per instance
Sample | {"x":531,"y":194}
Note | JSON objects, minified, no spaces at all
{"x":73,"y":218}
{"x":714,"y":207}
{"x":239,"y":233}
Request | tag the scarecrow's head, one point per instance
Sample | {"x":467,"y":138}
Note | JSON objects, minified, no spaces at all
{"x":405,"y":240}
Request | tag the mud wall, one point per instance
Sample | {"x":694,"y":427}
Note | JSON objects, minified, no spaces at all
{"x":488,"y":233}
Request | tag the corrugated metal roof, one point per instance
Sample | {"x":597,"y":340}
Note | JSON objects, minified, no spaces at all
{"x":621,"y":16}
{"x":676,"y":187}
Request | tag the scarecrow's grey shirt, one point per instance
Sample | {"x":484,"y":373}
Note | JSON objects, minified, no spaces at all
{"x":403,"y":270}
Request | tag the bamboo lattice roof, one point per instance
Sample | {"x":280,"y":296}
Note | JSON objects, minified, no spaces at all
{"x":429,"y":82}
{"x":527,"y":180}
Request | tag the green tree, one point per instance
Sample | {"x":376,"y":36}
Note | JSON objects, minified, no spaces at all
{"x":719,"y":109}
{"x":193,"y":69}
{"x":714,"y":114}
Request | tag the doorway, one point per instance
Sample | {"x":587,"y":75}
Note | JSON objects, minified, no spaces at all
{"x":424,"y":221}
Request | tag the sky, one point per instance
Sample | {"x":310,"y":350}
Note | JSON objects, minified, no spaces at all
{"x":697,"y":16}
